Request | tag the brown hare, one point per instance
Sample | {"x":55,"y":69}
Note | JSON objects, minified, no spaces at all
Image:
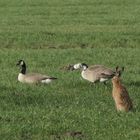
{"x":120,"y":94}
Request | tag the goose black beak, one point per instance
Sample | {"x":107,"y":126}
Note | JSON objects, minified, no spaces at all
{"x":17,"y":64}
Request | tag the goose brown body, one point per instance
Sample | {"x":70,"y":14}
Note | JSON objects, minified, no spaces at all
{"x":34,"y":78}
{"x":95,"y":73}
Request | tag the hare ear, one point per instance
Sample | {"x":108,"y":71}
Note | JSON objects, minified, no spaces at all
{"x":120,"y":70}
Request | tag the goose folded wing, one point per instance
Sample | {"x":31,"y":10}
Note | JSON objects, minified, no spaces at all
{"x":107,"y":74}
{"x":38,"y":77}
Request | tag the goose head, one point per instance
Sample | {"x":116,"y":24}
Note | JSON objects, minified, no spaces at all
{"x":22,"y":66}
{"x":82,"y":66}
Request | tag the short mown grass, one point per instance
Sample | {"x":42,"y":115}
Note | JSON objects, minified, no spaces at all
{"x":70,"y":103}
{"x":69,"y":23}
{"x":51,"y":34}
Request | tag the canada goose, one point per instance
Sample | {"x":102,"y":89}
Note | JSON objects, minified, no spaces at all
{"x":120,"y":94}
{"x":95,"y":73}
{"x":32,"y":77}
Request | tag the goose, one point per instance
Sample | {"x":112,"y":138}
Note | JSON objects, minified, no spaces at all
{"x":95,"y":73}
{"x":32,"y":78}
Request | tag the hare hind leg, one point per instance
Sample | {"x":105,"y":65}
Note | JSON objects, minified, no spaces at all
{"x":120,"y":108}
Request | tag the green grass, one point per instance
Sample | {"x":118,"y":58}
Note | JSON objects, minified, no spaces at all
{"x":70,"y":103}
{"x":91,"y":31}
{"x":69,"y":23}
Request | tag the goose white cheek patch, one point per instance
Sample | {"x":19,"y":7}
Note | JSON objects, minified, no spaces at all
{"x":77,"y":66}
{"x":21,"y":63}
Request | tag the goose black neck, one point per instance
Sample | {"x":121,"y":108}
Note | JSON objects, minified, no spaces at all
{"x":23,"y":69}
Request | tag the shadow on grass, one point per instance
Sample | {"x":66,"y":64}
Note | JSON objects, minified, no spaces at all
{"x":84,"y":83}
{"x":68,"y":135}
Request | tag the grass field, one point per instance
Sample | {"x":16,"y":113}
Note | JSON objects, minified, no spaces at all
{"x":69,"y":23}
{"x":51,"y":34}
